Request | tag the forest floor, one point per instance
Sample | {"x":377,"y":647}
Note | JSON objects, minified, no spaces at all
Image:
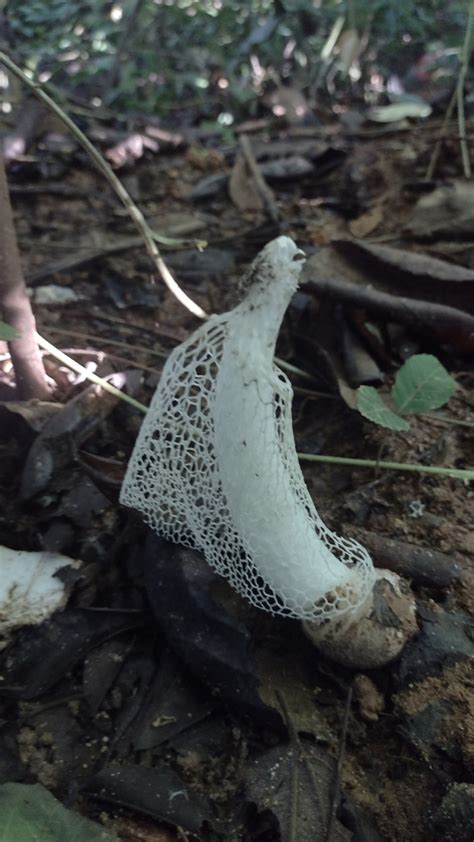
{"x":112,"y":702}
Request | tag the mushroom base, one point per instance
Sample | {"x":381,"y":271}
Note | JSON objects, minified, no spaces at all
{"x":375,"y":637}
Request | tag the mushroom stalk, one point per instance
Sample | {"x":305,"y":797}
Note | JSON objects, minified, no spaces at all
{"x":215,"y":467}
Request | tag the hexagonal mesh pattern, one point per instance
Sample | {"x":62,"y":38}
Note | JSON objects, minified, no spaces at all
{"x":215,"y":468}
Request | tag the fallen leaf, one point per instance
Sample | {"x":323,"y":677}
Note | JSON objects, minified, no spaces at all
{"x":242,"y":189}
{"x":367,"y":222}
{"x":447,"y":212}
{"x":29,"y":813}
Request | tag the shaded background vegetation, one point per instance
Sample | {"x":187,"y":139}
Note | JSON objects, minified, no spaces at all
{"x":212,"y":60}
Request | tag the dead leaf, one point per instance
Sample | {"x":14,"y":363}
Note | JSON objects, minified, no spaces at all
{"x":242,"y":189}
{"x":272,"y":777}
{"x":367,"y":222}
{"x":447,"y":212}
{"x":34,"y":411}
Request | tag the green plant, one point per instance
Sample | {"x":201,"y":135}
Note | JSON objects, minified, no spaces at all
{"x":421,"y":384}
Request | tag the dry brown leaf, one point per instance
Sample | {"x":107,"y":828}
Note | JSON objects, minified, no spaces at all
{"x":367,"y":222}
{"x":447,"y":212}
{"x":242,"y":189}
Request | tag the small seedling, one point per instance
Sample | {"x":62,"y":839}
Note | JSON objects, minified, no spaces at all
{"x":421,"y":384}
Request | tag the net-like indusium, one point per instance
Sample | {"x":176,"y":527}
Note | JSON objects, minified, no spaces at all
{"x":215,"y":464}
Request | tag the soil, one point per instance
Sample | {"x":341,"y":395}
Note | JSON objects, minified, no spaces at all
{"x":111,"y":683}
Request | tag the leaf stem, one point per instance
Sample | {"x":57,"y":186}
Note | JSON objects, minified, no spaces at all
{"x":455,"y":473}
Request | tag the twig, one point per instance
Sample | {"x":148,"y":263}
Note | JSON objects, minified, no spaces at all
{"x":89,"y":337}
{"x":442,"y":137}
{"x":89,"y":375}
{"x":31,"y":381}
{"x":465,"y":57}
{"x":260,"y":183}
{"x":150,"y":237}
{"x":457,"y":98}
{"x":447,"y":323}
{"x":340,"y":762}
{"x":425,"y":566}
{"x":293,"y":369}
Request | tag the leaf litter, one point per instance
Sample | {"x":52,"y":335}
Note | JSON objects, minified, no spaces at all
{"x":112,"y":700}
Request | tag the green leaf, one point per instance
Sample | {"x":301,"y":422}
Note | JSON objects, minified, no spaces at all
{"x":7,"y":333}
{"x":372,"y":406}
{"x":29,"y":813}
{"x":422,"y":384}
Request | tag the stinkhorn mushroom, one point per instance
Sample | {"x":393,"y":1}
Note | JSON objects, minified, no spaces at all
{"x":215,"y":468}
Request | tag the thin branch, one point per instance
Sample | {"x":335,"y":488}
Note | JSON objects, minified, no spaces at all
{"x":442,"y":136}
{"x":89,"y":375}
{"x":457,"y":98}
{"x":30,"y":376}
{"x":447,"y":323}
{"x":150,"y":237}
{"x":261,"y":185}
{"x":340,"y":762}
{"x":465,"y":58}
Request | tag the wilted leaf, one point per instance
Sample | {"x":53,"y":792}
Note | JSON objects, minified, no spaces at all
{"x":422,"y":384}
{"x":7,"y":333}
{"x":29,"y":813}
{"x":447,"y":212}
{"x":367,"y":222}
{"x":272,"y":778}
{"x":372,"y":406}
{"x":243,"y":192}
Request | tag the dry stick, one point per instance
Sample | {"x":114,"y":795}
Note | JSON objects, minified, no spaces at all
{"x":457,"y":97}
{"x":439,"y":142}
{"x":340,"y":761}
{"x":465,"y":57}
{"x":27,"y":362}
{"x":150,"y":237}
{"x":101,"y":354}
{"x":260,"y":183}
{"x":89,"y":337}
{"x":446,"y":322}
{"x":423,"y":565}
{"x":89,"y":375}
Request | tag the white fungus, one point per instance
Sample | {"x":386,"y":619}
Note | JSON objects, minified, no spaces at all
{"x":215,"y":465}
